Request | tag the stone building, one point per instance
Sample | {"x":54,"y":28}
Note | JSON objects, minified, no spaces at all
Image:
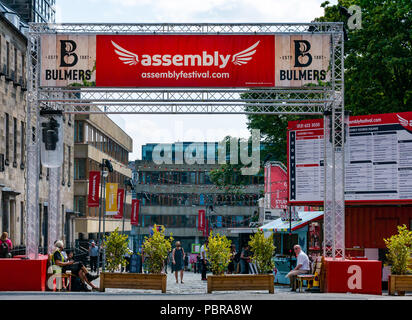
{"x":13,"y":162}
{"x":96,"y":138}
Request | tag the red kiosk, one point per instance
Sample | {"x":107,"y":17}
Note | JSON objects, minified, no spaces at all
{"x":378,"y":191}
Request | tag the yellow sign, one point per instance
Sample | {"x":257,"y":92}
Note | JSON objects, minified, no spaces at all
{"x":111,"y":198}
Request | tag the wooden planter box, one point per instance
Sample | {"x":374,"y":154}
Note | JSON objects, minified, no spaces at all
{"x":241,"y":282}
{"x":133,"y":281}
{"x":400,"y":283}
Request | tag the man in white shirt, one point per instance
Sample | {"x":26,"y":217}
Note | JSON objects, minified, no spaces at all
{"x":302,"y":266}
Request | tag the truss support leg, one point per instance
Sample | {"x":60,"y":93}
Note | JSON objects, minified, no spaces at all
{"x":55,"y":222}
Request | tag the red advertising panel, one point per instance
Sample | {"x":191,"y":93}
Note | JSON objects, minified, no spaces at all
{"x":378,"y":162}
{"x":185,"y":61}
{"x":201,"y":220}
{"x":134,"y":218}
{"x":276,"y":187}
{"x":120,"y":204}
{"x":94,"y":183}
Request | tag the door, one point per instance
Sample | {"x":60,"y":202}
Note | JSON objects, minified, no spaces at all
{"x":384,"y":228}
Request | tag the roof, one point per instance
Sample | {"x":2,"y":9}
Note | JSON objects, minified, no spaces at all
{"x":283,"y":226}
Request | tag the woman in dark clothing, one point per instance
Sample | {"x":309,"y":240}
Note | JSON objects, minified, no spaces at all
{"x":178,"y":256}
{"x":231,"y":266}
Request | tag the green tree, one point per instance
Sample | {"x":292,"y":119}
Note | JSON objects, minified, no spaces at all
{"x":115,"y":246}
{"x":399,"y":250}
{"x":156,"y":248}
{"x":263,"y":250}
{"x":218,"y":253}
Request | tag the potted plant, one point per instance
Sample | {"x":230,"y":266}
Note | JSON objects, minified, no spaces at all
{"x":399,"y":253}
{"x":155,"y":248}
{"x":218,"y":253}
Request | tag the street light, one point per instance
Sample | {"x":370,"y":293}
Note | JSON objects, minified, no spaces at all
{"x":105,"y":164}
{"x":127,"y":183}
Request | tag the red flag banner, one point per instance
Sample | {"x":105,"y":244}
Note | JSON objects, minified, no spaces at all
{"x":94,"y":183}
{"x":134,"y":218}
{"x":201,"y":220}
{"x":120,"y":204}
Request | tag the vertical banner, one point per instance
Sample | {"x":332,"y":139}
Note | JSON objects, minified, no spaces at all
{"x":134,"y":217}
{"x":206,"y":229}
{"x":94,"y":183}
{"x":201,"y":220}
{"x":120,"y":204}
{"x":111,"y":199}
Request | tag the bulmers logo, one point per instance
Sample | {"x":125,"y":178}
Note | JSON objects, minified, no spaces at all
{"x":302,"y":56}
{"x":204,"y":59}
{"x":67,"y":56}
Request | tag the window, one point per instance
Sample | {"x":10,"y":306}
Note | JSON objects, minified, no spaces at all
{"x":7,"y":124}
{"x":79,"y":169}
{"x":22,"y":145}
{"x":15,"y":142}
{"x":8,"y":58}
{"x":80,"y":204}
{"x":79,"y":132}
{"x":69,"y":151}
{"x":64,"y":161}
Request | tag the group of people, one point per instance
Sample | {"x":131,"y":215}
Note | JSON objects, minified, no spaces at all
{"x":62,"y":261}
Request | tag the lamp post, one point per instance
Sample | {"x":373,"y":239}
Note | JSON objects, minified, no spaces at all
{"x":127,"y":183}
{"x":105,"y":164}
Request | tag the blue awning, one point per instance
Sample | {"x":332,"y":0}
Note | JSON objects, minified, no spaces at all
{"x":283,"y":226}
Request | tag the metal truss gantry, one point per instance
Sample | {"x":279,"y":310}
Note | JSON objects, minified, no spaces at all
{"x":310,"y":100}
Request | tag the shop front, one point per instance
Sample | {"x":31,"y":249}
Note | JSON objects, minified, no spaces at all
{"x":305,"y":229}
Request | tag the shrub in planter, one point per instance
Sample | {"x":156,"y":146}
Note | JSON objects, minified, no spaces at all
{"x":156,"y":248}
{"x":400,"y":249}
{"x":115,"y":246}
{"x":263,"y":250}
{"x":218,"y":253}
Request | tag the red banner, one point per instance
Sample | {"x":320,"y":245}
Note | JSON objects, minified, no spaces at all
{"x":185,"y":61}
{"x":201,"y":220}
{"x":94,"y":184}
{"x":120,"y":204}
{"x":134,"y":217}
{"x":276,"y":187}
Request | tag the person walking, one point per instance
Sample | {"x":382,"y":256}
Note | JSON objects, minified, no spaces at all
{"x":93,"y":253}
{"x":231,"y":266}
{"x":245,"y":260}
{"x":178,"y":256}
{"x":5,"y":246}
{"x":203,"y":259}
{"x":302,"y":266}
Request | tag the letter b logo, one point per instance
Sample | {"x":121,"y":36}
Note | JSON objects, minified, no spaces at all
{"x":302,"y":57}
{"x":67,"y":56}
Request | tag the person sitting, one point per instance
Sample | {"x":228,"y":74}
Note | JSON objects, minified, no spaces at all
{"x":302,"y":266}
{"x":61,"y":265}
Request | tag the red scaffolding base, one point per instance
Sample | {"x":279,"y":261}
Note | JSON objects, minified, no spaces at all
{"x":18,"y":274}
{"x":355,"y":276}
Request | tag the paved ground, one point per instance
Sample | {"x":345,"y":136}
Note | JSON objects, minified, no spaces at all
{"x":192,"y":289}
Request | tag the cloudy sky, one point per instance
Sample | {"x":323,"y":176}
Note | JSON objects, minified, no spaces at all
{"x":170,"y":128}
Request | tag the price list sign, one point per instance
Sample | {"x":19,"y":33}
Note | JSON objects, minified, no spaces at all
{"x":378,"y":159}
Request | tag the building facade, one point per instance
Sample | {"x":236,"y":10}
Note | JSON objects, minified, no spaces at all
{"x":34,"y":10}
{"x":13,"y":162}
{"x":172,"y":195}
{"x":97,"y":137}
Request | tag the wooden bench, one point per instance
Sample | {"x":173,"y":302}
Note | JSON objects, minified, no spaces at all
{"x":317,"y":268}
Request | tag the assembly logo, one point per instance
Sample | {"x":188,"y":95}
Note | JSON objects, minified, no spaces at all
{"x":204,"y":59}
{"x":303,"y":59}
{"x":68,"y":60}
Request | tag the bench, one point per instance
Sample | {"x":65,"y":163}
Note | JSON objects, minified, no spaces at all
{"x":317,"y":271}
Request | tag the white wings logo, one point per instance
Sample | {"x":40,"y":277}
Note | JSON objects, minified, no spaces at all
{"x":125,"y":56}
{"x":204,"y":59}
{"x":404,"y":122}
{"x":244,"y":56}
